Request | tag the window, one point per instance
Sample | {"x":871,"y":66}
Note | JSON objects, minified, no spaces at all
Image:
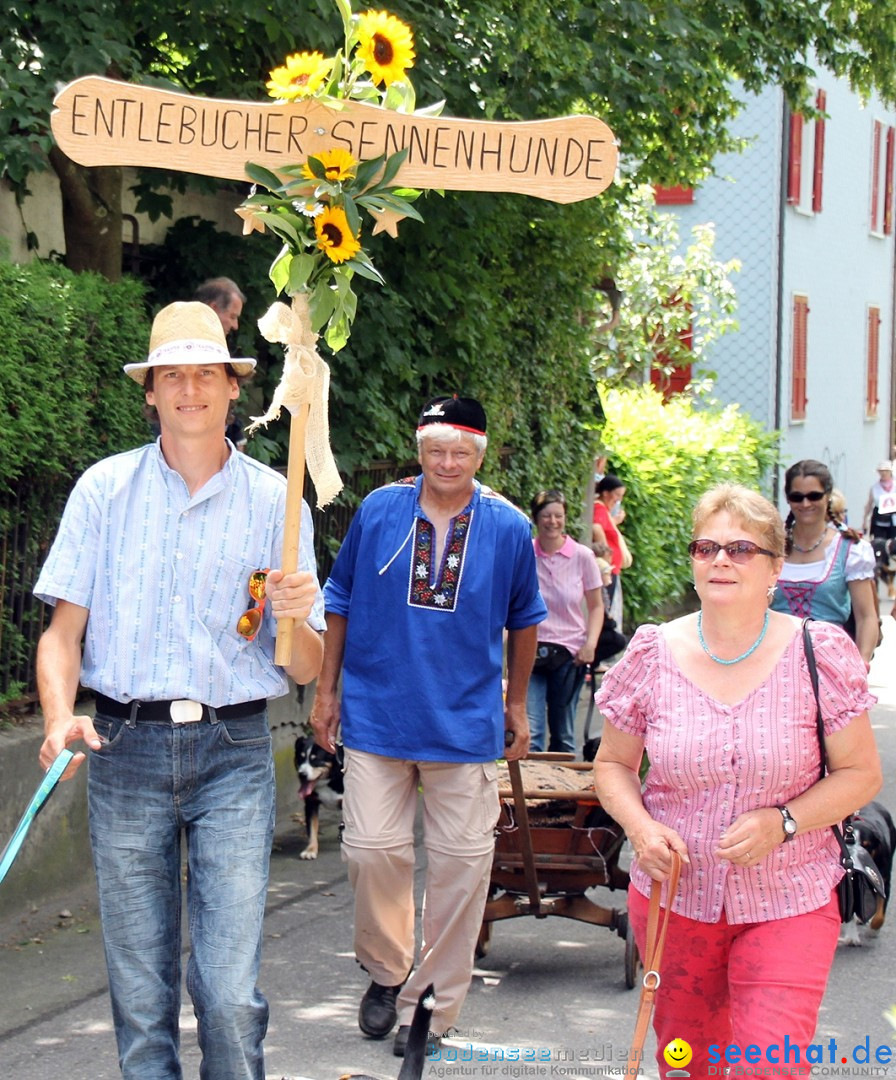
{"x":798,"y":357}
{"x":821,"y":101}
{"x":672,"y":196}
{"x":677,"y":379}
{"x":872,"y":361}
{"x":883,"y":143}
{"x":805,"y":148}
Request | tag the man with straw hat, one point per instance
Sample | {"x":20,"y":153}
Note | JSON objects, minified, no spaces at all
{"x":161,"y":567}
{"x":432,"y":573}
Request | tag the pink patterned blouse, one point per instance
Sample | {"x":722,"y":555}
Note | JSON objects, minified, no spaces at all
{"x":711,"y":762}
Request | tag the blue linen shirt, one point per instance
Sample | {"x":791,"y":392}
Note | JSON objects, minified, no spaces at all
{"x":423,"y":656}
{"x":165,"y":576}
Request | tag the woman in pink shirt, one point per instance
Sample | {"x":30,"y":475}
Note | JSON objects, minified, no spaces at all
{"x":721,"y":701}
{"x":570,"y":581}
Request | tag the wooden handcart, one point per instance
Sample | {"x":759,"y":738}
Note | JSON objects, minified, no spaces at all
{"x":553,"y":843}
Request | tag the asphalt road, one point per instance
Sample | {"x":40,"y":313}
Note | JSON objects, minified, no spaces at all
{"x":550,"y":991}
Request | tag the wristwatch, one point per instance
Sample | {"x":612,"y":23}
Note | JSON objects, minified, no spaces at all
{"x":788,"y":823}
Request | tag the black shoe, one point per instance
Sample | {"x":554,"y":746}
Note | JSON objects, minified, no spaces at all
{"x":377,"y":1014}
{"x":401,"y":1042}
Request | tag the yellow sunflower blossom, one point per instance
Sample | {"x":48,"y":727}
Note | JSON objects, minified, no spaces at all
{"x":301,"y":76}
{"x":338,"y":164}
{"x":386,"y":46}
{"x":334,"y":237}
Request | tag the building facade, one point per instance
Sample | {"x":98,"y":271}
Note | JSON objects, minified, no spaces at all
{"x":808,"y":210}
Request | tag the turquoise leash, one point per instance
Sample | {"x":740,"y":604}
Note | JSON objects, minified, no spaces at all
{"x":37,"y":801}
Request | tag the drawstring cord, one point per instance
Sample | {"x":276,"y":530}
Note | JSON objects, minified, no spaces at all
{"x":401,"y":549}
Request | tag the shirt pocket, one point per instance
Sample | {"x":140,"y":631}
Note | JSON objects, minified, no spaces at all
{"x":225,"y":593}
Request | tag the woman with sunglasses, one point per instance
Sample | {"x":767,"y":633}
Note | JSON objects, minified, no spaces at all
{"x":722,"y":702}
{"x":828,"y":570}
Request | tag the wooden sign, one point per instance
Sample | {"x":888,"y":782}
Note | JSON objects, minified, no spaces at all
{"x":101,"y":121}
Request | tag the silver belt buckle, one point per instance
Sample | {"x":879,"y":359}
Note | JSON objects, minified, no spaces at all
{"x":185,"y":712}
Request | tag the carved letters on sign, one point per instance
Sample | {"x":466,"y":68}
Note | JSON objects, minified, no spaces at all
{"x":104,"y":122}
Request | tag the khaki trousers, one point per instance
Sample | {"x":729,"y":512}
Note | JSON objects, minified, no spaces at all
{"x":460,"y":810}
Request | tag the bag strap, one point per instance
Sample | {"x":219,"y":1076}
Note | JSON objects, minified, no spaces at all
{"x":846,"y":858}
{"x":657,"y":924}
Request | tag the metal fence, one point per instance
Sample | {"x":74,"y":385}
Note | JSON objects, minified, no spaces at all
{"x":28,"y":521}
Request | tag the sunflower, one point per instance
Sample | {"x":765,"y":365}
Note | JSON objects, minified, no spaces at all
{"x":301,"y":76}
{"x":386,"y":45}
{"x":338,"y":165}
{"x":334,"y":237}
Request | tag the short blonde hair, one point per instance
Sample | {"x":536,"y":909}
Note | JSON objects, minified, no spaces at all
{"x":450,"y":433}
{"x":748,"y":508}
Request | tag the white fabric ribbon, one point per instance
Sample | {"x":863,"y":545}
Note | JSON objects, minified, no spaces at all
{"x":305,"y":381}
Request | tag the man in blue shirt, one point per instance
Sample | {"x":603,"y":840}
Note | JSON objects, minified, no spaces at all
{"x":160,"y":566}
{"x":432,"y":573}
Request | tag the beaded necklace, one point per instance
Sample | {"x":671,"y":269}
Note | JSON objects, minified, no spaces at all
{"x":737,"y":659}
{"x":805,"y":551}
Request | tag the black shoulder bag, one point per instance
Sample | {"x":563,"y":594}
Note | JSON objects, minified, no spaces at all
{"x":862,"y":886}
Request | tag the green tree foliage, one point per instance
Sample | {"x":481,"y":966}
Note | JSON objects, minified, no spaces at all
{"x":660,"y":73}
{"x":674,"y":300}
{"x":668,"y":456}
{"x":64,"y":403}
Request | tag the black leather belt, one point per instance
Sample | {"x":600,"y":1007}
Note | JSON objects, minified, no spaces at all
{"x":175,"y":712}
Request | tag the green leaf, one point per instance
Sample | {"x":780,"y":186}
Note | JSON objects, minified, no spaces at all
{"x":402,"y":206}
{"x":300,"y":271}
{"x":316,"y":168}
{"x":352,"y":215}
{"x":367,"y":170}
{"x":258,"y":174}
{"x":393,"y":164}
{"x":338,"y":333}
{"x":345,"y":10}
{"x":321,"y":305}
{"x":279,"y":272}
{"x":365,"y":269}
{"x":280,"y":225}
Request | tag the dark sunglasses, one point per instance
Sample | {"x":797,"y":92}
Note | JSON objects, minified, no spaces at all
{"x":738,"y":551}
{"x":801,"y":496}
{"x":249,"y":623}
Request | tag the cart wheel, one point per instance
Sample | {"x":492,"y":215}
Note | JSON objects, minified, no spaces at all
{"x":632,"y":959}
{"x":483,"y":941}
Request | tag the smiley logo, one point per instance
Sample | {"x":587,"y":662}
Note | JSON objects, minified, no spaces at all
{"x":678,"y":1054}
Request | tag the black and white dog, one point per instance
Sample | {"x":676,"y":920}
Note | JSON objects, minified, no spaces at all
{"x":320,"y":780}
{"x":874,"y":830}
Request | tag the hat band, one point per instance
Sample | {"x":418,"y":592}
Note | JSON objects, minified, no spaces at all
{"x":203,"y":351}
{"x":447,"y":423}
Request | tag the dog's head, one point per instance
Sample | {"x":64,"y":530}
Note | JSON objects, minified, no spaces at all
{"x":873,"y":829}
{"x":313,"y":764}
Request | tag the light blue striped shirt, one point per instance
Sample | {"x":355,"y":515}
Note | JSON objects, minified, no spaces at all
{"x":165,"y":576}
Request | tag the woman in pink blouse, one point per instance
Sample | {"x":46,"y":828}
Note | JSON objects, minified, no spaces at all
{"x":570,"y":581}
{"x":722,"y":703}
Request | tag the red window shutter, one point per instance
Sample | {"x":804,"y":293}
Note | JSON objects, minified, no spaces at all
{"x":875,"y":176}
{"x":873,"y":362}
{"x":795,"y":159}
{"x":818,"y":165}
{"x":798,"y":366}
{"x":672,"y":196}
{"x":888,"y":183}
{"x":676,"y":382}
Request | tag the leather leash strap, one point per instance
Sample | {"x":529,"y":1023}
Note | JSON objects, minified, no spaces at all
{"x":657,"y":924}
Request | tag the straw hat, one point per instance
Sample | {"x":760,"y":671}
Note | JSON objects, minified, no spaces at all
{"x":187,"y":332}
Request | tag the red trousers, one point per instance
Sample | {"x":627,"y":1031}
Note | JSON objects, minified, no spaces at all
{"x":739,"y":986}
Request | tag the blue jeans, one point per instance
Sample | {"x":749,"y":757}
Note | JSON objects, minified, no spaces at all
{"x":555,"y":697}
{"x":212,"y":784}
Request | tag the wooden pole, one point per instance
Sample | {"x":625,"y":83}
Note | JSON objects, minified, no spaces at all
{"x":295,"y":485}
